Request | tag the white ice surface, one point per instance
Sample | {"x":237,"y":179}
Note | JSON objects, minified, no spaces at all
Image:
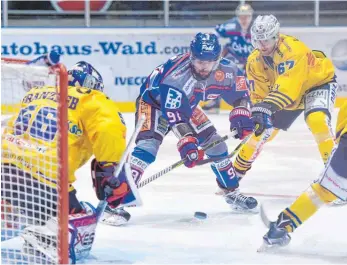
{"x":163,"y":230}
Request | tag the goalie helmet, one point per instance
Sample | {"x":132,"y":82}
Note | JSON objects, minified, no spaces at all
{"x":265,"y":31}
{"x":83,"y":74}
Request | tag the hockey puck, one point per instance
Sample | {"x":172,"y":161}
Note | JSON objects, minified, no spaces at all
{"x":200,"y":215}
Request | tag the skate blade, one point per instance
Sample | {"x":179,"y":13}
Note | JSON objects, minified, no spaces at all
{"x":268,"y":248}
{"x":114,"y":221}
{"x":241,"y":210}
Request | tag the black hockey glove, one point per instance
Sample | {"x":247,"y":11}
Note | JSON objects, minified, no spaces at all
{"x":105,"y":185}
{"x":262,"y":117}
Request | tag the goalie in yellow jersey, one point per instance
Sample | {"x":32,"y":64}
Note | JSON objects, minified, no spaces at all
{"x":286,"y":78}
{"x":96,"y":128}
{"x":332,"y":184}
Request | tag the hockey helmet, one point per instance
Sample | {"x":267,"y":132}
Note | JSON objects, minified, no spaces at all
{"x":205,"y":54}
{"x":244,"y":10}
{"x":265,"y":31}
{"x":205,"y":47}
{"x":83,"y":74}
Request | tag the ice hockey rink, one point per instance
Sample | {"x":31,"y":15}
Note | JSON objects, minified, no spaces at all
{"x":165,"y":231}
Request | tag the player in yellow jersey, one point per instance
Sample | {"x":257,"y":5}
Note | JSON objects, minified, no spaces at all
{"x":96,"y":128}
{"x":286,"y":78}
{"x":331,"y":184}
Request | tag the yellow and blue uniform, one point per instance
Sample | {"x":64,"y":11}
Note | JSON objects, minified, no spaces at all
{"x":308,"y":203}
{"x":95,"y":128}
{"x":288,"y":81}
{"x":341,"y":126}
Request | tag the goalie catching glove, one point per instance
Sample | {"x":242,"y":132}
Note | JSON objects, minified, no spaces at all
{"x":106,"y":186}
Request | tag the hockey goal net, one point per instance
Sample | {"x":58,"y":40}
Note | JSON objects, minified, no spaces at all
{"x":34,"y":170}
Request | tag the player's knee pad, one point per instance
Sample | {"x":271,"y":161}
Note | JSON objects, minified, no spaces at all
{"x":225,"y":173}
{"x":143,"y":155}
{"x":217,"y":150}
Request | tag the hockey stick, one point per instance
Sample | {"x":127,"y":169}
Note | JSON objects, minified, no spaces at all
{"x":181,"y":162}
{"x":102,"y":204}
{"x":213,"y":159}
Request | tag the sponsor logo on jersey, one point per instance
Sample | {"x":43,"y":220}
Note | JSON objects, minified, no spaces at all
{"x":274,"y":87}
{"x":173,"y":100}
{"x":219,"y":75}
{"x":189,"y":85}
{"x":24,"y":144}
{"x":74,"y":129}
{"x":212,"y":96}
{"x":229,"y":75}
{"x":241,"y":84}
{"x":199,"y":119}
{"x":145,"y":109}
{"x":223,"y":164}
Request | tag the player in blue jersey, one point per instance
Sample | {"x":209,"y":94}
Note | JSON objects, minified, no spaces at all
{"x":169,"y":100}
{"x":239,"y":46}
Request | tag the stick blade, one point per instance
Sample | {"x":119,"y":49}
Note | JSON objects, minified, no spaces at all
{"x":264,"y":217}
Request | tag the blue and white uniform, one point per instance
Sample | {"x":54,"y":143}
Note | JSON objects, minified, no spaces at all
{"x":239,"y":46}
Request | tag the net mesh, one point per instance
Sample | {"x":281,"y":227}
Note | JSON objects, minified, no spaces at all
{"x":31,"y":164}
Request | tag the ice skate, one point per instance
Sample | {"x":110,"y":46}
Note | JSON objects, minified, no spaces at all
{"x":240,"y":202}
{"x":115,"y":217}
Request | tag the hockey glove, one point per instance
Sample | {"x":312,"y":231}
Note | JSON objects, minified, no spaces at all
{"x":188,"y":148}
{"x":241,"y":121}
{"x":105,"y":185}
{"x":261,"y":116}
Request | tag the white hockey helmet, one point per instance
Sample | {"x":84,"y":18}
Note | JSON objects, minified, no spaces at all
{"x":265,"y":28}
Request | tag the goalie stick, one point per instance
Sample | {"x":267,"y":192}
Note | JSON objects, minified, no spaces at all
{"x":102,"y":204}
{"x":181,"y":162}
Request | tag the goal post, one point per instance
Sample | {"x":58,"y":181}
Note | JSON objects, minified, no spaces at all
{"x":34,"y":157}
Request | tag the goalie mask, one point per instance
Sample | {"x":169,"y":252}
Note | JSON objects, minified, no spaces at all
{"x":265,"y":34}
{"x":83,"y":74}
{"x":205,"y":53}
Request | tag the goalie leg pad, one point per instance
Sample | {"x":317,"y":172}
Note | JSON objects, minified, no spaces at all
{"x":42,"y":239}
{"x":334,"y":177}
